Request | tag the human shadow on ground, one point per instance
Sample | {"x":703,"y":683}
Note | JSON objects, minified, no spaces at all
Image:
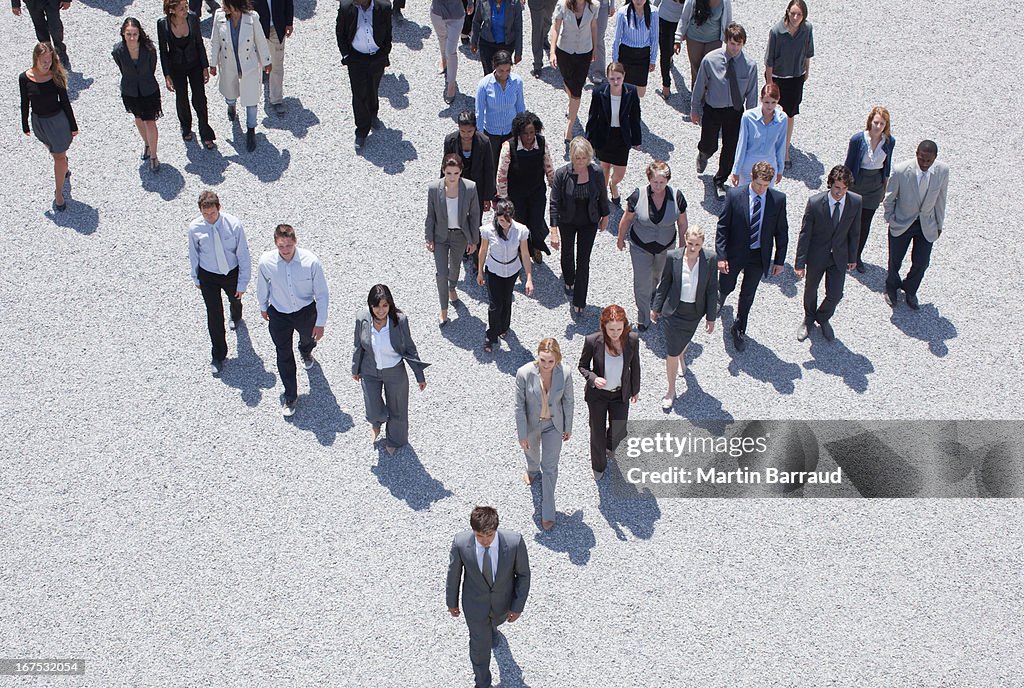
{"x":655,"y":146}
{"x":167,"y":181}
{"x":757,"y":360}
{"x":319,"y":412}
{"x":304,"y":9}
{"x":926,"y":324}
{"x":786,"y":282}
{"x":465,"y":330}
{"x":296,"y":119}
{"x":247,"y":373}
{"x":396,"y":89}
{"x":873,"y":277}
{"x":806,"y":168}
{"x":547,"y":286}
{"x":266,"y":163}
{"x":406,"y":479}
{"x":625,"y":507}
{"x":569,"y":535}
{"x":511,"y":360}
{"x":874,"y":468}
{"x":113,"y":7}
{"x":410,"y":33}
{"x":710,"y":201}
{"x":681,"y":99}
{"x":583,"y":324}
{"x":77,"y":82}
{"x":386,"y":149}
{"x":508,"y":669}
{"x":700,"y":408}
{"x":208,"y":165}
{"x":834,"y":358}
{"x":81,"y":217}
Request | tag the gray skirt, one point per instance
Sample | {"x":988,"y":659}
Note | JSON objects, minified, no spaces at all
{"x":679,"y":327}
{"x":869,"y":186}
{"x":54,"y":131}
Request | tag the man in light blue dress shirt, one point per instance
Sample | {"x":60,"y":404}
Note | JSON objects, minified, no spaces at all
{"x":292,"y":292}
{"x":219,"y":255}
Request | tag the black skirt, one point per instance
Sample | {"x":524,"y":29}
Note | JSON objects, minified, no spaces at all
{"x":574,"y":70}
{"x":791,"y":93}
{"x":146,"y":108}
{"x":614,"y":151}
{"x":637,"y":62}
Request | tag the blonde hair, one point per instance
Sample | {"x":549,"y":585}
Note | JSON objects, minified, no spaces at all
{"x":57,"y":73}
{"x":580,"y":146}
{"x":694,"y":231}
{"x":549,"y":345}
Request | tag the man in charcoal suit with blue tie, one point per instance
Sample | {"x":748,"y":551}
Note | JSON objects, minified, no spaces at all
{"x":493,"y":569}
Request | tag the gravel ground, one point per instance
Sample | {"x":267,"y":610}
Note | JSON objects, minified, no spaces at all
{"x":172,"y":529}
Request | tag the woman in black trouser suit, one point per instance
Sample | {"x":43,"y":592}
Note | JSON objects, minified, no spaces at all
{"x":485,"y":34}
{"x":523,"y":169}
{"x":185,"y":65}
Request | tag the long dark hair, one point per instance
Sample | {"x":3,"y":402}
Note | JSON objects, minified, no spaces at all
{"x":378,"y":293}
{"x":243,"y":6}
{"x":144,"y":40}
{"x":631,"y":13}
{"x":803,"y":8}
{"x":702,"y":12}
{"x":503,"y":207}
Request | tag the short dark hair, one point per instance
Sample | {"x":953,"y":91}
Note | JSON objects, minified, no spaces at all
{"x":208,"y":198}
{"x":735,"y":32}
{"x":380,"y":292}
{"x":484,"y":519}
{"x":928,"y":146}
{"x":467,"y":118}
{"x":520,"y":122}
{"x":840,"y":173}
{"x":284,"y":232}
{"x":502,"y":57}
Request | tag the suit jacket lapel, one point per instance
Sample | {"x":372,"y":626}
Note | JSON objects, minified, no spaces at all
{"x":469,"y":556}
{"x":397,"y":338}
{"x":599,"y":355}
{"x":442,"y":201}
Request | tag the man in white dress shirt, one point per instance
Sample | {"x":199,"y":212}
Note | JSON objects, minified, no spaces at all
{"x":219,"y":255}
{"x":293,"y":297}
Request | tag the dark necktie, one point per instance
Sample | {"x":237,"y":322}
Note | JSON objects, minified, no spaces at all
{"x":488,"y":574}
{"x":755,"y":224}
{"x":734,"y":84}
{"x":835,"y":215}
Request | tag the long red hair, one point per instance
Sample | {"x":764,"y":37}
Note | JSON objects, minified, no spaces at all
{"x":612,"y":313}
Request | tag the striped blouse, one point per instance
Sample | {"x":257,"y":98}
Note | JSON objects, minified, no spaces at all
{"x":496,"y":107}
{"x":635,"y":35}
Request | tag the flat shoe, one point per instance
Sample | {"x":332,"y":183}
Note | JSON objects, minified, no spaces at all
{"x":666,"y":403}
{"x":187,"y":136}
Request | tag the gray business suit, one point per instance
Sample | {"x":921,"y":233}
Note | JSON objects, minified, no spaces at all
{"x":680,"y":319}
{"x":487,"y":606}
{"x":913,"y":217}
{"x":386,"y":391}
{"x":544,"y":435}
{"x":825,"y":250}
{"x":450,"y":244}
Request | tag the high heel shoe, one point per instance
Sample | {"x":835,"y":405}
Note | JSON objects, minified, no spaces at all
{"x":154,"y":164}
{"x":145,"y":153}
{"x":60,"y":207}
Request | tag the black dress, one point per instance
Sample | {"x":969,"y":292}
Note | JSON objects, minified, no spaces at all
{"x":527,"y":191}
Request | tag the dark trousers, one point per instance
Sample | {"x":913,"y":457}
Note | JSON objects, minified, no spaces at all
{"x":835,"y":276}
{"x":666,"y":49}
{"x":530,"y":208}
{"x":487,"y":50}
{"x":920,"y":256}
{"x":752,"y":271}
{"x":866,"y":215}
{"x":481,"y":638}
{"x":576,"y":269}
{"x":727,"y":121}
{"x":496,"y":140}
{"x":182,"y":82}
{"x":49,"y":28}
{"x":282,"y":326}
{"x":211,"y":284}
{"x":196,"y":6}
{"x":499,"y":306}
{"x":608,"y":416}
{"x":364,"y":74}
{"x":467,"y":23}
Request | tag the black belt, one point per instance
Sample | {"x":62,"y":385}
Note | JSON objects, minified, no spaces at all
{"x":505,"y":262}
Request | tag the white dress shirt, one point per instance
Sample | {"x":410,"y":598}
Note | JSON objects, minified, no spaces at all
{"x":270,"y":11}
{"x":493,"y":553}
{"x":922,"y":181}
{"x":503,"y":257}
{"x":453,"y":211}
{"x":383,"y":353}
{"x":612,"y":371}
{"x":688,"y":281}
{"x":363,"y":40}
{"x":202,"y":251}
{"x":832,"y":203}
{"x":873,"y":159}
{"x":290,"y":285}
{"x":616,"y":104}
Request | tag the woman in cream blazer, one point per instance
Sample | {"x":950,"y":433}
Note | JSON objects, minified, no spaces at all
{"x":253,"y":57}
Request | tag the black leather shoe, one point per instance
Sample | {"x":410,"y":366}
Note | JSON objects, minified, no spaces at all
{"x":912,"y":301}
{"x":360,"y":141}
{"x":702,"y":162}
{"x":804,"y":331}
{"x":250,"y":140}
{"x":720,"y":190}
{"x":827,"y":332}
{"x":535,"y":73}
{"x":232,"y":113}
{"x":860,"y":267}
{"x":890,"y":299}
{"x":738,"y":340}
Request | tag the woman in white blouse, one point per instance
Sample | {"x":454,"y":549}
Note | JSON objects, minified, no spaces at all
{"x":687,"y":291}
{"x":504,"y":252}
{"x":573,"y":37}
{"x":869,"y":157}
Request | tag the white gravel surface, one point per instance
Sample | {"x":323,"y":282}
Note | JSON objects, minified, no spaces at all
{"x":173,"y":530}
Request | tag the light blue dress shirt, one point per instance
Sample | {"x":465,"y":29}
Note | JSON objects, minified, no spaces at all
{"x":636,"y":35}
{"x":290,"y":285}
{"x":201,"y":252}
{"x":759,"y":141}
{"x":496,"y":107}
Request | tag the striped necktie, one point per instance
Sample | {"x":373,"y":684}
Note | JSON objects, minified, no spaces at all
{"x":755,"y":224}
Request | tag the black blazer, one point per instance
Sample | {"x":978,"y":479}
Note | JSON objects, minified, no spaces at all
{"x":592,"y":364}
{"x":136,"y":80}
{"x":666,"y":296}
{"x":820,"y":243}
{"x":600,"y":116}
{"x":732,"y":242}
{"x":181,"y":60}
{"x":562,"y":206}
{"x":481,"y":168}
{"x":513,"y":25}
{"x":284,"y":16}
{"x":348,"y":20}
{"x":363,"y":362}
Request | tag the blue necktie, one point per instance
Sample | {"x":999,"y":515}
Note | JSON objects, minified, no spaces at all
{"x":755,"y":224}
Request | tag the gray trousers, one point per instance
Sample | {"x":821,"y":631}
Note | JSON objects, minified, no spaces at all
{"x":598,"y":66}
{"x":647,"y":269}
{"x":49,"y":28}
{"x":386,"y":397}
{"x":481,"y":637}
{"x":542,"y":457}
{"x":448,"y":262}
{"x":540,"y":26}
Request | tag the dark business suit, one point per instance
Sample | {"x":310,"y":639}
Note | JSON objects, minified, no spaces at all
{"x":734,"y":243}
{"x":487,"y":605}
{"x":284,"y":15}
{"x":364,"y":71}
{"x":483,"y":32}
{"x":481,"y":170}
{"x":599,"y":116}
{"x":826,"y":249}
{"x":609,"y":411}
{"x":184,"y":66}
{"x":196,"y":6}
{"x":680,"y":319}
{"x":393,"y":407}
{"x":47,"y":23}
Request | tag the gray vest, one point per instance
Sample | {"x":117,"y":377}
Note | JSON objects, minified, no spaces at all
{"x":646,"y":232}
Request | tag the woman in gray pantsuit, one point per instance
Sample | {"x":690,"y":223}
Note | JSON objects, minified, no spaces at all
{"x":452,"y":227}
{"x":544,"y":420}
{"x":653,"y":220}
{"x":383,"y":344}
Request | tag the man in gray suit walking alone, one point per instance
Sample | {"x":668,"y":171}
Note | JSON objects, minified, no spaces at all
{"x":493,"y":569}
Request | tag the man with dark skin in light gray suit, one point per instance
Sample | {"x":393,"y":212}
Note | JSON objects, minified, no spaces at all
{"x":494,"y":572}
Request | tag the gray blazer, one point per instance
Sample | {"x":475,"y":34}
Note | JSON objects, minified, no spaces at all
{"x":666,"y":296}
{"x":511,"y":586}
{"x":437,"y":213}
{"x":363,"y":361}
{"x":819,"y":243}
{"x":513,"y":26}
{"x":903,"y":204}
{"x":528,"y":401}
